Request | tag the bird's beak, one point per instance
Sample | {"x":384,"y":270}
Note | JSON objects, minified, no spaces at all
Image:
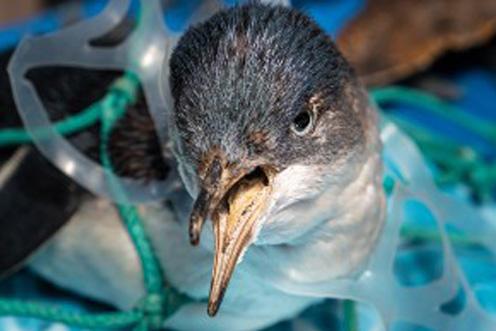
{"x":235,"y":199}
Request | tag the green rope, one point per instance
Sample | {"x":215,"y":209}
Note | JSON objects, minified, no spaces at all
{"x":89,"y":321}
{"x":388,"y":185}
{"x":112,"y":110}
{"x":73,"y":124}
{"x":437,"y":106}
{"x":432,"y":235}
{"x":154,"y":304}
{"x":456,"y":163}
{"x":350,"y":316}
{"x":161,"y":299}
{"x":115,"y":97}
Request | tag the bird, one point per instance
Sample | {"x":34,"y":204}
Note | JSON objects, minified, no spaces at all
{"x":278,"y":150}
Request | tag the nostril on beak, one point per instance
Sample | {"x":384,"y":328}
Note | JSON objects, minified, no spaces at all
{"x":219,"y":183}
{"x":198,"y":216}
{"x":258,"y":173}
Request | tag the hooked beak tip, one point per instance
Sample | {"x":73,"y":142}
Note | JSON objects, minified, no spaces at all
{"x":194,"y":241}
{"x":213,"y":308}
{"x":194,"y":235}
{"x":198,"y":216}
{"x":235,"y":206}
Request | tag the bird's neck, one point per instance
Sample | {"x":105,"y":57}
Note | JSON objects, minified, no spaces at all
{"x":348,"y":237}
{"x":345,"y":223}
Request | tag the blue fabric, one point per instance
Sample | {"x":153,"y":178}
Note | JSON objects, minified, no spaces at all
{"x":48,"y":21}
{"x":10,"y":36}
{"x":330,"y":14}
{"x":478,"y":97}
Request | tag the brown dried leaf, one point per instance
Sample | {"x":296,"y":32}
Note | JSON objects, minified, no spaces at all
{"x":392,"y":39}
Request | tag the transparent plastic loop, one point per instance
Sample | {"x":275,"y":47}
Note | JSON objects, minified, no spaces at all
{"x":377,"y":286}
{"x":145,"y":52}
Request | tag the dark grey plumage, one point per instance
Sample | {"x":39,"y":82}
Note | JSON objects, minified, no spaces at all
{"x":134,"y":147}
{"x":38,"y":199}
{"x":240,"y":80}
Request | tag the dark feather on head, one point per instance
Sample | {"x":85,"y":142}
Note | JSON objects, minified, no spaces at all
{"x":241,"y":80}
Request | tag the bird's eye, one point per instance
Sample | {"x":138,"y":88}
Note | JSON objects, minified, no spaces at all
{"x":302,"y":122}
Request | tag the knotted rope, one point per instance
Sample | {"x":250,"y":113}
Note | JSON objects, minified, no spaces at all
{"x":161,"y":299}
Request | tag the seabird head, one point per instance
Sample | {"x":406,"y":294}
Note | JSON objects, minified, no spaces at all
{"x":267,"y":113}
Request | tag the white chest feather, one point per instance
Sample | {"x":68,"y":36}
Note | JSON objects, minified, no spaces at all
{"x":329,"y":236}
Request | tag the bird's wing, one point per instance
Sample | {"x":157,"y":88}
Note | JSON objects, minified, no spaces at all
{"x":8,"y":118}
{"x":35,"y":201}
